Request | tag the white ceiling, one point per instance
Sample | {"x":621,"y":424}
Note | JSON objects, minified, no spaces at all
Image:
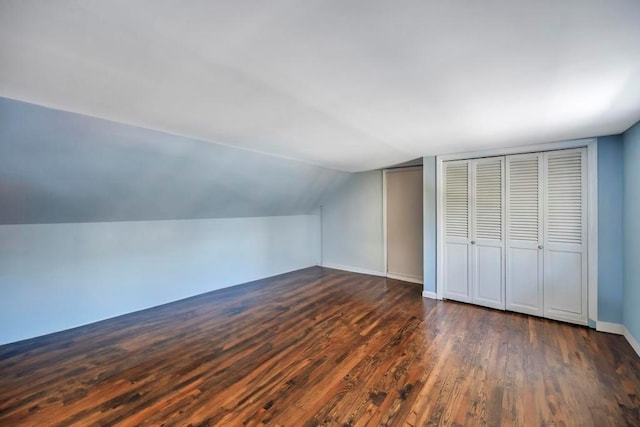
{"x":351,"y":85}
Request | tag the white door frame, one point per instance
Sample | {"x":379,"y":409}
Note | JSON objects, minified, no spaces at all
{"x":592,"y":207}
{"x":384,"y":220}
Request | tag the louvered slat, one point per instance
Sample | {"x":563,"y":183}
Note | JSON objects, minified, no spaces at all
{"x":456,"y":199}
{"x":523,"y":199}
{"x":488,"y":201}
{"x":564,"y":198}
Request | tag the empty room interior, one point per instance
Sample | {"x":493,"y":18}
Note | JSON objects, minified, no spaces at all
{"x":319,"y":213}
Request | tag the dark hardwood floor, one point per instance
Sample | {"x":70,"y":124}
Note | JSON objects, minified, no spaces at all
{"x":321,"y":347}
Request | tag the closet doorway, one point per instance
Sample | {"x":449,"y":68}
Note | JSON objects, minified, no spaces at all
{"x":403,"y":223}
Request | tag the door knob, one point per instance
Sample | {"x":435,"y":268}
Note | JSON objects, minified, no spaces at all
{"x":539,"y":246}
{"x":473,"y":242}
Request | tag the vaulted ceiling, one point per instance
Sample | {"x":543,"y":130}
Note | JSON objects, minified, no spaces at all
{"x":350,"y":85}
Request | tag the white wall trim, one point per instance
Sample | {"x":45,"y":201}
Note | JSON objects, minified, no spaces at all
{"x":405,"y":278}
{"x":439,"y":230}
{"x":321,"y":239}
{"x":353,"y":269}
{"x":592,"y":209}
{"x":592,"y":228}
{"x":549,"y":146}
{"x":612,"y":328}
{"x":429,"y":294}
{"x":384,"y":221}
{"x":632,"y":341}
{"x":404,"y":169}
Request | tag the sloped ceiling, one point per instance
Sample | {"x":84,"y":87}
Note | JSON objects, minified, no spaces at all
{"x":351,"y":85}
{"x":57,"y":166}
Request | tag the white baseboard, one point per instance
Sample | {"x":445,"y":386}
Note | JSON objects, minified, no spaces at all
{"x":404,"y":278}
{"x":632,"y":341}
{"x":353,"y":269}
{"x":429,"y":294}
{"x":612,"y":328}
{"x":616,"y":328}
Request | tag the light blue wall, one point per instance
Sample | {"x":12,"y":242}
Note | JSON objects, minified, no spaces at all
{"x":610,"y":255}
{"x":352,"y":233}
{"x":631,"y":227}
{"x":59,"y":276}
{"x":430,"y":224}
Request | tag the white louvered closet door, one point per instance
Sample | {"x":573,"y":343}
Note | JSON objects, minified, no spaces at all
{"x":524,"y":234}
{"x":457,"y":228}
{"x":487,"y":244}
{"x":565,"y":254}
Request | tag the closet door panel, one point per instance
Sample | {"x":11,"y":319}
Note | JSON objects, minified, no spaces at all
{"x":457,"y":230}
{"x":565,"y":261}
{"x":524,"y":269}
{"x":524,"y":288}
{"x":457,"y":272}
{"x":489,"y":277}
{"x":563,"y":285}
{"x":488,"y":232}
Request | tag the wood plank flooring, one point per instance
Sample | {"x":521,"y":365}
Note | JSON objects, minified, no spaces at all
{"x":321,"y":347}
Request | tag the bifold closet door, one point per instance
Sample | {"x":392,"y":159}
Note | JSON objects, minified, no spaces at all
{"x":474,"y":231}
{"x":524,"y":234}
{"x":516,"y":233}
{"x":457,"y":226}
{"x":546,"y":234}
{"x":565,"y":235}
{"x":487,"y":232}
